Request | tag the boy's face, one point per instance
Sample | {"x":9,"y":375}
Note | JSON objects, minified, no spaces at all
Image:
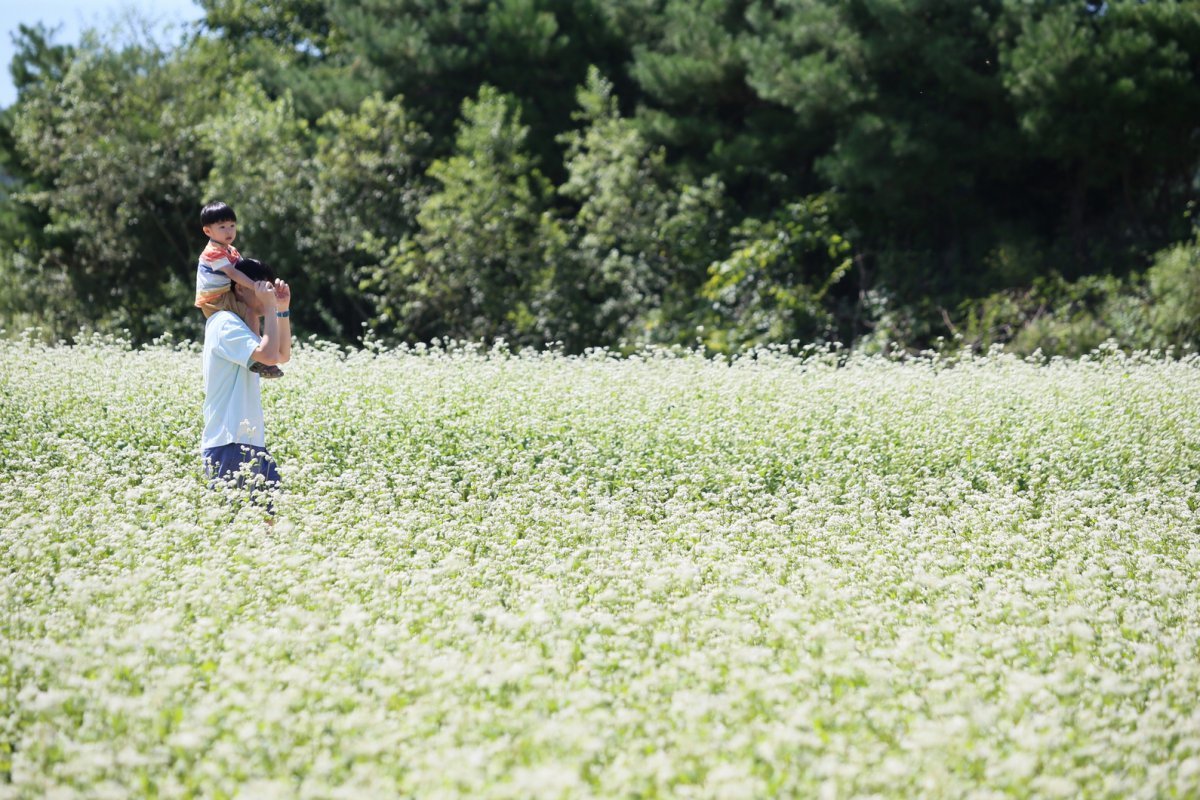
{"x":223,"y":232}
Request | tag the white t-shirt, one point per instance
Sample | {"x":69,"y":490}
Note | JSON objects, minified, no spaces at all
{"x":232,"y":395}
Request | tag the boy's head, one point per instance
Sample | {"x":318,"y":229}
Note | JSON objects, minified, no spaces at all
{"x":219,"y":223}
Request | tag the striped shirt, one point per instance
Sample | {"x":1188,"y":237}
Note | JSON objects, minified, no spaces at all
{"x":211,"y":283}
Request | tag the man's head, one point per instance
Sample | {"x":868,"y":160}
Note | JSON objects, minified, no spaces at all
{"x":219,"y":223}
{"x":256,"y":271}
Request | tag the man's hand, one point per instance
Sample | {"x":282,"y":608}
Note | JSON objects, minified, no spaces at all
{"x":283,"y":296}
{"x":265,"y":292}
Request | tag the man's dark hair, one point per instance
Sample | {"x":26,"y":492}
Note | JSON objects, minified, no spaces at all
{"x":216,"y":212}
{"x":256,"y":270}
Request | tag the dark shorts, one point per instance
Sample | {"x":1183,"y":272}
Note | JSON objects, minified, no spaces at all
{"x":243,"y":465}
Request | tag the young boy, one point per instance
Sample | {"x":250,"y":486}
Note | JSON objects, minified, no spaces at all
{"x":217,"y":271}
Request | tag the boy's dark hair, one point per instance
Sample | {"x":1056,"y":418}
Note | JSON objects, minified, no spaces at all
{"x":216,"y":212}
{"x":256,"y":270}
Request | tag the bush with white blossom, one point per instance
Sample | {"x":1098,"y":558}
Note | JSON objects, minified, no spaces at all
{"x":499,"y":575}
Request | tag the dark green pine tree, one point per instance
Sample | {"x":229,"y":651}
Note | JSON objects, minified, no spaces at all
{"x":694,"y":97}
{"x":1107,"y":95}
{"x":924,"y":144}
{"x":436,"y":53}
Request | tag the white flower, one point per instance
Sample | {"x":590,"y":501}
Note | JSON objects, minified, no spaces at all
{"x":500,"y":575}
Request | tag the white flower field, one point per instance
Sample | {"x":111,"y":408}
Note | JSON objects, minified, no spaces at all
{"x":651,"y":577}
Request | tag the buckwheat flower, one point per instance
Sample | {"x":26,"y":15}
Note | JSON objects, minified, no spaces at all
{"x":859,"y":572}
{"x":1055,"y":786}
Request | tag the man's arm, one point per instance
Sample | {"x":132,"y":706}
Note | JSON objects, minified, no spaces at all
{"x":283,"y":303}
{"x":267,"y":351}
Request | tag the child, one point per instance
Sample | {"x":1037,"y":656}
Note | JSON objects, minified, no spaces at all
{"x":217,"y":270}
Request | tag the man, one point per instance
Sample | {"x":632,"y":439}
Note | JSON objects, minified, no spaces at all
{"x":233,"y":441}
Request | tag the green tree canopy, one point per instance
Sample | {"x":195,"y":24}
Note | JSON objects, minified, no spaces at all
{"x":468,"y":271}
{"x":637,"y":234}
{"x":462,"y":168}
{"x":1108,"y":97}
{"x":114,"y":153}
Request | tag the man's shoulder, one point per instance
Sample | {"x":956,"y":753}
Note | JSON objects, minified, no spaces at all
{"x":224,"y":321}
{"x":227,"y":338}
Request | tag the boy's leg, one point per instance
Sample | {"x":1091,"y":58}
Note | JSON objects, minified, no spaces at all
{"x":266,"y":370}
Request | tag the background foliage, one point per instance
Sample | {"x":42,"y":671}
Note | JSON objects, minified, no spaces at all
{"x":602,"y":171}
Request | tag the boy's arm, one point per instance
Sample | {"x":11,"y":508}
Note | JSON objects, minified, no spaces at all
{"x":237,"y":276}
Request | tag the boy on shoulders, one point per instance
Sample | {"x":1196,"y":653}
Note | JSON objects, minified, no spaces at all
{"x":218,"y":270}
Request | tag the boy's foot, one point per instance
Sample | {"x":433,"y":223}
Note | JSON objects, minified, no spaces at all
{"x":267,"y":370}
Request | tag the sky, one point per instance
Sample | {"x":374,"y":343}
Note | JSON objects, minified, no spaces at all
{"x":76,"y":15}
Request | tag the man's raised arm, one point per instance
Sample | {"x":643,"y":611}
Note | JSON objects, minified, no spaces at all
{"x":268,"y":349}
{"x":283,"y":305}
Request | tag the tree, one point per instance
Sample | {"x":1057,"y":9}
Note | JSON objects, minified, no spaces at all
{"x":1109,"y":94}
{"x":37,"y":60}
{"x":116,"y":162}
{"x":971,"y":148}
{"x":689,"y":65}
{"x":475,"y":261}
{"x":290,"y":47}
{"x":435,"y":53}
{"x":924,"y":150}
{"x":637,"y":236}
{"x":776,"y":284}
{"x":368,"y":185}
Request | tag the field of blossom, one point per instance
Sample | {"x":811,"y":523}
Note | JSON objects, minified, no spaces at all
{"x":657,"y":576}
